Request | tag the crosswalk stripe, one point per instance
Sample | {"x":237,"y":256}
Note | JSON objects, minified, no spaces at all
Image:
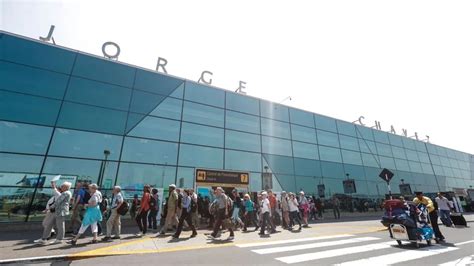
{"x":334,"y":252}
{"x":314,"y":245}
{"x":469,"y":260}
{"x":398,"y":257}
{"x":291,"y":241}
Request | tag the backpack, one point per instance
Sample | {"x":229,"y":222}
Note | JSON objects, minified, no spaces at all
{"x":193,"y":206}
{"x":123,"y":209}
{"x":86,"y":198}
{"x":153,"y":203}
{"x":103,"y":205}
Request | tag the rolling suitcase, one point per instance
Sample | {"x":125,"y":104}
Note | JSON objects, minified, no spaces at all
{"x":458,"y":219}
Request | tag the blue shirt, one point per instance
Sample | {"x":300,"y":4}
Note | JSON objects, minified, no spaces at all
{"x":186,"y":202}
{"x":81,"y":193}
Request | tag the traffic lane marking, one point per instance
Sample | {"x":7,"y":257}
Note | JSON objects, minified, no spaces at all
{"x":109,"y":250}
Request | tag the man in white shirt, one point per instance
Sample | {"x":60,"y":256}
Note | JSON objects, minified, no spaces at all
{"x":265,"y":212}
{"x":444,"y":209}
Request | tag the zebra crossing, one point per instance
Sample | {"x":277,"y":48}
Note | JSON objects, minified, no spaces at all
{"x":337,"y":248}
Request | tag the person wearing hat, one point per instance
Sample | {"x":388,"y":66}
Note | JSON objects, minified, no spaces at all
{"x":171,"y":205}
{"x":265,"y":209}
{"x":114,"y":220}
{"x":285,"y":211}
{"x":432,"y":212}
{"x":223,"y":206}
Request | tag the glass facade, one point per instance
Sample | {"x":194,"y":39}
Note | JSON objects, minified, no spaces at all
{"x":61,"y":109}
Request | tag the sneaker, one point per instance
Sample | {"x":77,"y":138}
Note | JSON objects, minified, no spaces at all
{"x":116,"y":237}
{"x":38,"y":240}
{"x":193,"y":235}
{"x":72,"y":242}
{"x":106,"y":239}
{"x":230,"y":238}
{"x":139,"y":234}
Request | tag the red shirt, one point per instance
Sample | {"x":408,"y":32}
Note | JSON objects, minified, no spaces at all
{"x":273,"y":202}
{"x":145,"y":203}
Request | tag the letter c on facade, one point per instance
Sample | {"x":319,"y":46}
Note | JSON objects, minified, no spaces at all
{"x":109,"y":56}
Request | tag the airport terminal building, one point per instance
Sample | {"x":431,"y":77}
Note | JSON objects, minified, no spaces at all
{"x":64,"y":112}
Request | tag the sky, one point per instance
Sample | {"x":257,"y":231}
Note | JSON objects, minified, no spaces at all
{"x":409,"y":64}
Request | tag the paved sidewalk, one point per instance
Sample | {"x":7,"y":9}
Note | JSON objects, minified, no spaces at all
{"x":17,"y":245}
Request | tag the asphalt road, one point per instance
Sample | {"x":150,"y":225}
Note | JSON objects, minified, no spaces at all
{"x":375,"y":248}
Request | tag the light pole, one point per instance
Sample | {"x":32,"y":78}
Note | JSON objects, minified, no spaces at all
{"x":103,"y":165}
{"x":350,"y":194}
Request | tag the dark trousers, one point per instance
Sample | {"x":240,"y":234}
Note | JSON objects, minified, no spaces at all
{"x":185,"y":216}
{"x":265,"y":220}
{"x":141,"y":221}
{"x":434,"y":224}
{"x":337,"y":213}
{"x":250,"y":219}
{"x":220,"y":217}
{"x":294,"y":216}
{"x":152,"y":219}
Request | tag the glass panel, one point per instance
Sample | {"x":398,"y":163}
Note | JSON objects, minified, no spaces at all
{"x":387,"y":162}
{"x":242,"y":122}
{"x":24,"y":108}
{"x":255,"y":181}
{"x":244,"y":161}
{"x":134,"y":176}
{"x":169,"y":108}
{"x":326,"y":123}
{"x":103,"y":70}
{"x":381,"y":136}
{"x":334,"y":170}
{"x":275,"y":128}
{"x":15,"y":202}
{"x":203,"y":114}
{"x":18,"y":164}
{"x":187,"y":175}
{"x":197,"y":134}
{"x":203,"y":94}
{"x":86,"y":170}
{"x":415,"y":167}
{"x":17,"y":137}
{"x":30,"y":80}
{"x":98,"y":119}
{"x":179,"y":92}
{"x":305,"y":150}
{"x":412,"y":155}
{"x":349,"y":143}
{"x":36,"y":54}
{"x":242,"y":141}
{"x":301,"y":117}
{"x":402,"y":165}
{"x":327,"y":138}
{"x":370,"y":160}
{"x":355,"y":172}
{"x":367,"y":146}
{"x":274,"y":110}
{"x":278,"y":164}
{"x":149,"y":151}
{"x":420,"y":146}
{"x":307,"y":167}
{"x":423,"y":157}
{"x":156,"y":82}
{"x":198,"y":156}
{"x":144,"y":102}
{"x":242,"y":103}
{"x":98,"y":93}
{"x":351,"y":157}
{"x":346,"y":128}
{"x":384,"y":150}
{"x":287,"y":182}
{"x":426,"y":168}
{"x":307,"y":184}
{"x":395,"y":140}
{"x":156,"y":128}
{"x":73,"y":143}
{"x":330,"y":154}
{"x":399,"y":152}
{"x":276,"y":146}
{"x":303,"y":134}
{"x":365,"y":133}
{"x":408,"y":143}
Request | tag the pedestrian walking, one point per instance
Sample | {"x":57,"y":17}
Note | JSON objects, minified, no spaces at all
{"x":154,"y":209}
{"x":444,"y":209}
{"x":114,"y":222}
{"x":249,"y":213}
{"x":304,"y":208}
{"x":142,"y":215}
{"x":237,"y":206}
{"x":265,"y":209}
{"x":186,"y":215}
{"x":171,"y":208}
{"x":285,"y":210}
{"x":223,"y":205}
{"x":61,"y":209}
{"x":49,"y":219}
{"x":77,"y":208}
{"x":92,"y":216}
{"x":293,"y":207}
{"x":336,"y":204}
{"x":432,"y":213}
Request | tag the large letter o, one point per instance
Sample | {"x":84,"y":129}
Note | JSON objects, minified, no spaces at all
{"x":117,"y":53}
